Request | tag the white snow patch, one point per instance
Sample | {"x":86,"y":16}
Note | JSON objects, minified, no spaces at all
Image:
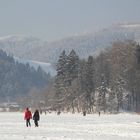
{"x":71,"y":127}
{"x":12,"y":38}
{"x":130,"y":25}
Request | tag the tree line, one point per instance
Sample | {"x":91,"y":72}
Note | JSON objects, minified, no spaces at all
{"x":109,"y":82}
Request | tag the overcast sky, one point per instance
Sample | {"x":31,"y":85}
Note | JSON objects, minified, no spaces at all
{"x":56,"y":19}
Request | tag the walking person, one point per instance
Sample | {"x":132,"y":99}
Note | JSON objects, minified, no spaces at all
{"x":99,"y":113}
{"x":36,"y":117}
{"x":84,"y":113}
{"x":28,"y":116}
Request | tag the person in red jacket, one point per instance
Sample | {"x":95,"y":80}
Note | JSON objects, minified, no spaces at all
{"x":28,"y":116}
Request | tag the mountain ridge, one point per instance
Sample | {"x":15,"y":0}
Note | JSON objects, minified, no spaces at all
{"x":84,"y":45}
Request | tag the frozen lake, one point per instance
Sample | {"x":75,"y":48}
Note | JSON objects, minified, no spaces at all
{"x":71,"y":127}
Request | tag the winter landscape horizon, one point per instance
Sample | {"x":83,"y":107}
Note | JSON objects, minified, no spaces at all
{"x":70,"y":70}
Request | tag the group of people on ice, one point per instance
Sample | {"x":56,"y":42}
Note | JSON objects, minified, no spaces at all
{"x":36,"y":116}
{"x":28,"y":116}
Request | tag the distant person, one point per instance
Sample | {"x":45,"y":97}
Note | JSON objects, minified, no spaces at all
{"x":84,"y":113}
{"x":36,"y":118}
{"x":58,"y":113}
{"x":40,"y":111}
{"x":99,"y":113}
{"x":45,"y":112}
{"x":28,"y":116}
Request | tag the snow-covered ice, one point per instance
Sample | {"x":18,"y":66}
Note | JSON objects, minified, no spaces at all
{"x":71,"y":127}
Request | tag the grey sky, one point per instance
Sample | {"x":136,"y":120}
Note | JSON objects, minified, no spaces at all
{"x":56,"y":19}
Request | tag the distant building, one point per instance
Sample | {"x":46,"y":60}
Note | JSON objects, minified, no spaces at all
{"x":10,"y":106}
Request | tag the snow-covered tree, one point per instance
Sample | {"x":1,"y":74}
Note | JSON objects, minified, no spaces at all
{"x":102,"y":91}
{"x":90,"y":83}
{"x":60,"y":77}
{"x":111,"y":101}
{"x":72,"y":67}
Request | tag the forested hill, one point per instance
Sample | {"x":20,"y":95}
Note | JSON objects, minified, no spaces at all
{"x":17,"y":79}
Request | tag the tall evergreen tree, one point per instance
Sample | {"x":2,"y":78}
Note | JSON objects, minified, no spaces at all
{"x":72,"y":67}
{"x":90,"y":82}
{"x":102,"y":94}
{"x":60,"y":78}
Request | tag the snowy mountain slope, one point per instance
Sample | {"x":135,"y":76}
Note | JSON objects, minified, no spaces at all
{"x":85,"y":45}
{"x":47,"y":67}
{"x":26,"y":47}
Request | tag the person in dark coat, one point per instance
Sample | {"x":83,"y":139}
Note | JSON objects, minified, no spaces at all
{"x":84,"y":113}
{"x":99,"y":113}
{"x":36,"y":118}
{"x":28,"y":116}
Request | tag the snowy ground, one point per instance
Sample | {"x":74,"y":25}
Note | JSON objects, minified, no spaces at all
{"x":71,"y":127}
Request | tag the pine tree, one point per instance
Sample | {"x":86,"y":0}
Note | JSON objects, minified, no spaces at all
{"x":90,"y":82}
{"x":112,"y":102}
{"x":119,"y":91}
{"x":102,"y":94}
{"x":72,"y":67}
{"x":82,"y":76}
{"x":138,"y":54}
{"x":60,"y":77}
